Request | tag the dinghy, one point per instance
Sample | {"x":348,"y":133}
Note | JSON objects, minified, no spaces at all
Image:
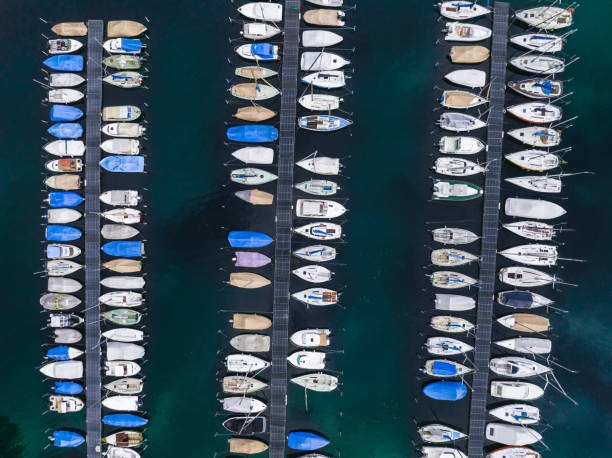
{"x":326,"y":80}
{"x":459,"y":11}
{"x":63,"y":353}
{"x":253,"y":91}
{"x":124,"y":403}
{"x":323,"y":123}
{"x":307,"y":360}
{"x":65,"y":79}
{"x":514,"y":452}
{"x":331,"y":18}
{"x":121,"y":368}
{"x":470,"y":78}
{"x":533,"y":208}
{"x":124,"y":439}
{"x":460,"y":122}
{"x":315,"y":61}
{"x":310,"y":208}
{"x":238,"y":384}
{"x":248,"y":239}
{"x":541,"y":42}
{"x":546,"y":17}
{"x":124,"y":28}
{"x":518,"y":367}
{"x":124,"y":420}
{"x":320,"y":165}
{"x":313,"y":273}
{"x":68,"y":370}
{"x":536,"y":112}
{"x":118,"y":231}
{"x":320,"y":382}
{"x":533,"y":254}
{"x":537,"y":88}
{"x":259,"y":31}
{"x":245,"y":363}
{"x":519,"y":414}
{"x":123,"y":62}
{"x":240,"y":404}
{"x":548,"y":185}
{"x":66,"y":336}
{"x":451,"y":324}
{"x":123,"y":316}
{"x":320,"y":102}
{"x":64,"y":165}
{"x":66,"y":130}
{"x":255,"y":197}
{"x":454,"y":166}
{"x":127,"y":249}
{"x":122,"y":299}
{"x":124,"y":146}
{"x":124,"y":335}
{"x":126,"y":80}
{"x":450,"y":257}
{"x":445,"y":346}
{"x":262,"y":11}
{"x":248,"y":280}
{"x":117,"y":351}
{"x":453,"y":236}
{"x":317,"y":296}
{"x":64,"y":148}
{"x":445,"y":368}
{"x":61,"y":267}
{"x":65,"y":404}
{"x":511,"y":434}
{"x":70,"y":29}
{"x":316,"y":253}
{"x":538,"y":64}
{"x":455,"y":190}
{"x":123,"y":215}
{"x":318,"y":187}
{"x":123,"y":129}
{"x":66,"y":63}
{"x":254,"y":113}
{"x":64,"y":113}
{"x":253,"y":343}
{"x":252,"y":133}
{"x":63,"y":285}
{"x":304,"y":440}
{"x":121,"y":113}
{"x":258,"y":51}
{"x":123,"y":46}
{"x":320,"y":38}
{"x":525,"y":277}
{"x":64,"y":320}
{"x":123,"y":282}
{"x":445,"y":390}
{"x":246,"y":426}
{"x":64,"y":96}
{"x":320,"y":231}
{"x":62,"y":215}
{"x":255,"y":155}
{"x":442,"y":452}
{"x":533,"y":230}
{"x":525,"y":322}
{"x":468,"y":54}
{"x":64,"y":438}
{"x":458,"y":31}
{"x":522,"y":299}
{"x":311,"y":338}
{"x":451,"y":280}
{"x":125,"y":386}
{"x":530,"y":345}
{"x":454,"y":302}
{"x":54,"y":301}
{"x":436,"y":433}
{"x":251,"y":177}
{"x":534,"y":160}
{"x":64,"y":182}
{"x":255,"y":72}
{"x":128,"y":198}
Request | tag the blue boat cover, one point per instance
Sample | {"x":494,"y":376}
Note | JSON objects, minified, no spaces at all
{"x":67,"y":62}
{"x":66,"y":130}
{"x":67,"y":388}
{"x":445,"y":390}
{"x":67,"y":439}
{"x":58,"y":353}
{"x":303,"y":440}
{"x":64,"y":199}
{"x":248,"y":239}
{"x":264,"y":51}
{"x":53,"y":251}
{"x":252,"y":133}
{"x":131,"y":45}
{"x":125,"y":249}
{"x":516,"y":299}
{"x":123,"y":163}
{"x":59,"y":233}
{"x":444,"y":368}
{"x":546,"y":87}
{"x":124,"y":420}
{"x":65,"y":113}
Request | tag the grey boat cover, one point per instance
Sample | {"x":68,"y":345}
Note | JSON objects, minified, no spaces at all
{"x":118,"y":231}
{"x":117,"y":351}
{"x":533,"y":208}
{"x":67,"y":336}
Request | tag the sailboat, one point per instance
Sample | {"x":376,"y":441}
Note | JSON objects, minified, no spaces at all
{"x":451,"y":280}
{"x":304,"y":359}
{"x":252,"y":176}
{"x":317,"y":382}
{"x":470,"y":78}
{"x":258,"y":51}
{"x":454,"y":302}
{"x":534,"y":230}
{"x":460,"y":122}
{"x":536,"y":112}
{"x":451,"y":324}
{"x":330,"y":18}
{"x":453,"y":236}
{"x":473,"y":54}
{"x":122,"y":299}
{"x":240,"y":404}
{"x":522,"y":299}
{"x":547,"y":184}
{"x":321,"y":165}
{"x":320,"y":231}
{"x":546,"y":17}
{"x":318,"y":187}
{"x":437,"y":433}
{"x":316,"y":253}
{"x":445,"y":368}
{"x":525,"y":322}
{"x":332,"y":79}
{"x":446,"y":346}
{"x":317,"y":296}
{"x":537,"y":88}
{"x":538,"y":64}
{"x":460,"y":10}
{"x":530,"y":345}
{"x":533,"y":254}
{"x":262,"y":11}
{"x":323,"y":123}
{"x":533,"y":208}
{"x":320,"y":38}
{"x":454,"y":166}
{"x":519,"y":391}
{"x":320,"y":102}
{"x":319,"y":61}
{"x":255,"y":155}
{"x":541,"y":42}
{"x":517,"y":367}
{"x":511,"y":434}
{"x":244,"y":363}
{"x":313,"y":273}
{"x":460,"y":99}
{"x":514,"y":452}
{"x":443,"y":452}
{"x":534,"y":160}
{"x":255,"y":72}
{"x":259,"y":30}
{"x":450,"y":257}
{"x":525,"y":277}
{"x":240,"y":384}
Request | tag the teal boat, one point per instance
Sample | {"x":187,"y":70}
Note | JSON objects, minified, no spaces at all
{"x":123,"y":62}
{"x":124,"y":317}
{"x":455,"y":190}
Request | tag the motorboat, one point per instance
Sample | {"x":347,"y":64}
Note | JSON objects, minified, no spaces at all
{"x":534,"y":230}
{"x":518,"y":391}
{"x":453,"y":236}
{"x":67,"y":370}
{"x":65,"y":79}
{"x":320,"y":102}
{"x":525,"y":322}
{"x":63,"y":353}
{"x":537,"y":88}
{"x":255,"y":72}
{"x":125,"y":385}
{"x":60,"y":267}
{"x":123,"y":62}
{"x":455,"y":166}
{"x":328,"y":3}
{"x":546,"y":17}
{"x":64,"y":438}
{"x":251,"y":259}
{"x":540,"y":42}
{"x":450,"y":257}
{"x":64,"y":95}
{"x":250,"y":322}
{"x":243,"y":363}
{"x":61,"y":233}
{"x":538,"y":64}
{"x":458,"y":99}
{"x":451,"y":280}
{"x":458,"y":11}
{"x":320,"y":38}
{"x":304,"y":440}
{"x":469,"y":78}
{"x":258,"y":51}
{"x":63,"y":285}
{"x":121,"y":113}
{"x":66,"y":182}
{"x":311,"y":208}
{"x":536,"y":112}
{"x":446,"y":346}
{"x":128,"y":198}
{"x":533,"y":208}
{"x":124,"y":129}
{"x":246,"y":426}
{"x":124,"y":28}
{"x":451,"y":324}
{"x":262,"y":11}
{"x":124,"y":146}
{"x":126,"y":80}
{"x":252,"y":176}
{"x":127,"y":438}
{"x":124,"y":335}
{"x":534,"y":160}
{"x":533,"y":254}
{"x":123,"y":215}
{"x":121,"y":402}
{"x":327,"y":80}
{"x":252,"y":133}
{"x":259,"y":30}
{"x":123,"y":316}
{"x":525,"y":277}
{"x":442,"y":452}
{"x":459,"y":31}
{"x":460,"y":122}
{"x":255,"y":197}
{"x":124,"y":351}
{"x":473,"y":54}
{"x":316,"y":253}
{"x":64,"y":165}
{"x":65,"y":404}
{"x":320,"y":231}
{"x":122,"y":299}
{"x":511,"y":434}
{"x":124,"y":248}
{"x":303,"y":359}
{"x":330,"y":18}
{"x":254,"y":113}
{"x":118,"y":231}
{"x":323,"y":123}
{"x":317,"y":61}
{"x":65,"y":63}
{"x":317,"y":296}
{"x":66,"y":130}
{"x":70,"y":29}
{"x":454,"y":302}
{"x":514,"y":452}
{"x":59,"y":302}
{"x":460,"y":145}
{"x":62,"y":215}
{"x":64,"y":148}
{"x":123,"y":46}
{"x":318,"y":187}
{"x":241,"y":404}
{"x":445,"y":390}
{"x":253,"y":343}
{"x":64,"y":320}
{"x":311,"y":338}
{"x":255,"y":155}
{"x":123,"y":282}
{"x":248,"y":280}
{"x":313,"y":273}
{"x":317,"y":382}
{"x":518,"y":367}
{"x":445,"y":368}
{"x":63,"y":46}
{"x":253,"y":91}
{"x":454,"y":190}
{"x":437,"y":433}
{"x":66,"y":336}
{"x":121,"y":368}
{"x":519,"y":414}
{"x":239,"y":384}
{"x":248,"y":239}
{"x":519,"y":299}
{"x":530,"y":345}
{"x":550,"y":185}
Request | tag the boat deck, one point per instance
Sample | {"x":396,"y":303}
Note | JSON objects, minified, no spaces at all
{"x":284,"y":217}
{"x":93,"y":376}
{"x":490,"y":227}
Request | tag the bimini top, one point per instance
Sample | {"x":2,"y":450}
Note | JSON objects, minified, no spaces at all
{"x":248,"y":239}
{"x":124,"y":420}
{"x":252,"y":133}
{"x":64,"y":113}
{"x":443,"y":368}
{"x":124,"y":248}
{"x":65,"y":62}
{"x":67,"y":439}
{"x":263,"y":50}
{"x":127,"y":164}
{"x":66,"y":130}
{"x":445,"y":390}
{"x":67,"y":388}
{"x":64,"y":199}
{"x":303,"y":440}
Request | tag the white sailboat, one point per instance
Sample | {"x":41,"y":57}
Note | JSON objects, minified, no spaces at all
{"x":519,"y":391}
{"x":314,"y":61}
{"x":458,"y":11}
{"x":259,"y":31}
{"x":534,"y":160}
{"x":530,"y":345}
{"x":313,"y":273}
{"x":549,"y":185}
{"x":533,"y":208}
{"x":450,"y":257}
{"x":541,"y":42}
{"x":122,"y":299}
{"x":64,"y":96}
{"x":536,"y":112}
{"x":453,"y":236}
{"x":446,"y":346}
{"x":321,"y":165}
{"x":451,"y":324}
{"x":457,"y":167}
{"x":512,"y":434}
{"x":538,"y":64}
{"x":460,"y":122}
{"x":262,"y":11}
{"x":525,"y":277}
{"x":320,"y":38}
{"x":122,"y":403}
{"x":320,"y":231}
{"x":333,"y":79}
{"x":320,"y":102}
{"x":243,"y":363}
{"x":454,"y":302}
{"x":317,"y":296}
{"x":546,"y":17}
{"x":534,"y":230}
{"x":252,"y":176}
{"x":318,"y":187}
{"x":123,"y":215}
{"x":240,"y":404}
{"x":451,"y":280}
{"x":316,"y":253}
{"x":533,"y":254}
{"x":517,"y":366}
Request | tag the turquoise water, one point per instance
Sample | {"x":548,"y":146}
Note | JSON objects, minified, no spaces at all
{"x":389,"y":149}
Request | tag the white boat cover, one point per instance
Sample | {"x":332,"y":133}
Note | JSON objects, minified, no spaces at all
{"x":533,"y":208}
{"x":320,"y":38}
{"x":68,"y":370}
{"x":321,"y":61}
{"x":116,"y":351}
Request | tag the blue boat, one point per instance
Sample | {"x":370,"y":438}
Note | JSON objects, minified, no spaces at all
{"x":70,"y":388}
{"x":445,"y":390}
{"x":252,"y":133}
{"x":59,"y":233}
{"x":65,"y":113}
{"x":65,"y":199}
{"x":67,"y":439}
{"x":66,"y":130}
{"x":124,"y":420}
{"x":264,"y":51}
{"x":127,"y":164}
{"x":124,"y":249}
{"x":248,"y":239}
{"x":323,"y":123}
{"x":61,"y":353}
{"x":303,"y":440}
{"x":66,"y":62}
{"x":126,"y":45}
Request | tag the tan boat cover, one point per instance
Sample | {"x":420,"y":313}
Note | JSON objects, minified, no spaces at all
{"x":460,"y":99}
{"x":129,"y":129}
{"x":70,"y":29}
{"x":323,"y":340}
{"x":250,"y":322}
{"x":65,"y":182}
{"x":245,"y":90}
{"x":468,"y":54}
{"x":116,"y":29}
{"x":123,"y":265}
{"x":528,"y":322}
{"x":247,"y":446}
{"x":257,"y":197}
{"x":250,"y":72}
{"x":254,"y":113}
{"x":248,"y":280}
{"x":322,"y":17}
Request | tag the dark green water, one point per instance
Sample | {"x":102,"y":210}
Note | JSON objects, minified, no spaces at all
{"x":390,"y":149}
